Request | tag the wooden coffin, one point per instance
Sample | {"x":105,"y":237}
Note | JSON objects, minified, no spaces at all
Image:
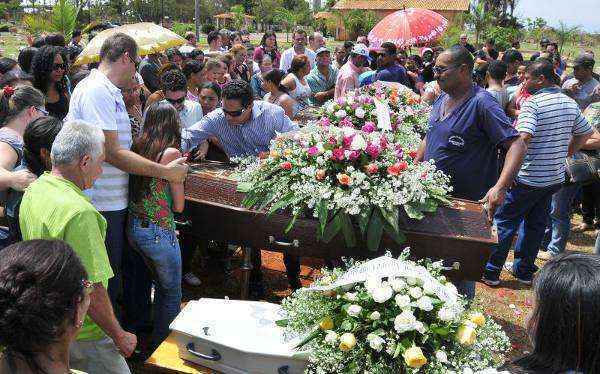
{"x":459,"y":234}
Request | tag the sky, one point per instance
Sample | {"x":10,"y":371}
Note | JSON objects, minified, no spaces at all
{"x":584,"y":13}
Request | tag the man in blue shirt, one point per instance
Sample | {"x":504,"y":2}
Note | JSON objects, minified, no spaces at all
{"x":467,"y":126}
{"x":245,"y":127}
{"x":388,"y":68}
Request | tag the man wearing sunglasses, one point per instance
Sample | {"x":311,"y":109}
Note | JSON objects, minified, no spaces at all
{"x":174,"y":87}
{"x":388,"y":68}
{"x":467,"y":126}
{"x":244,"y":127}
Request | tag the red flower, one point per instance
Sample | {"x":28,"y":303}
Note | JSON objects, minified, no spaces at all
{"x":286,"y":165}
{"x":338,"y":154}
{"x":412,"y":154}
{"x":397,"y":168}
{"x":162,"y":214}
{"x":372,"y":168}
{"x":403,"y":165}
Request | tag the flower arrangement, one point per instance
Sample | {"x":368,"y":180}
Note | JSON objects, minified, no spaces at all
{"x":391,"y":316}
{"x":345,"y":177}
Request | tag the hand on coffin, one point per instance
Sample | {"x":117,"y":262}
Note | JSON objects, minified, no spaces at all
{"x":177,"y":170}
{"x":492,"y":200}
{"x":199,"y":153}
{"x":126,"y":343}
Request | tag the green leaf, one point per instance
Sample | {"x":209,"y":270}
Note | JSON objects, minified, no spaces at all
{"x":347,"y":229}
{"x":322,"y":212}
{"x":285,"y":201}
{"x":375,"y":231}
{"x":397,"y":235}
{"x":430,"y":206}
{"x":291,"y":223}
{"x":391,"y":217}
{"x":64,"y":17}
{"x":244,"y":187}
{"x":397,"y":351}
{"x":413,"y":212}
{"x":332,"y":229}
{"x":310,"y":337}
{"x":282,"y":322}
{"x":346,"y":325}
{"x":363,"y":221}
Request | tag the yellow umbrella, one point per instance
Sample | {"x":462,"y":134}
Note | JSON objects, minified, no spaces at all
{"x":150,"y":38}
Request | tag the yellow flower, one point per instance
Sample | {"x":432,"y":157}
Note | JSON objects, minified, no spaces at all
{"x":414,"y":357}
{"x":477,"y":318}
{"x":274,"y":154}
{"x":466,"y":334}
{"x":347,"y":341}
{"x":326,"y":323}
{"x":287,"y":152}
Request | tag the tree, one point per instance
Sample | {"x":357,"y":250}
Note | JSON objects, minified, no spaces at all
{"x":359,"y":22}
{"x":565,"y":33}
{"x":479,"y":19}
{"x":266,"y":10}
{"x":238,"y":16}
{"x":64,"y":17}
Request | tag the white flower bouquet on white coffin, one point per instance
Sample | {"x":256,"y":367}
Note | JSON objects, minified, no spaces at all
{"x":391,"y":315}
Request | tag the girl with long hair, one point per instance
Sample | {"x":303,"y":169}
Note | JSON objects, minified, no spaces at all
{"x":277,"y":93}
{"x":268,"y":46}
{"x":295,"y":81}
{"x":151,"y":228}
{"x":49,"y":69}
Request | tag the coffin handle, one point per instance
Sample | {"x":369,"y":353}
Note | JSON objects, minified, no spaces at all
{"x":283,"y":370}
{"x":295,"y":243}
{"x":187,"y":223}
{"x":455,"y":266}
{"x":214,"y":355}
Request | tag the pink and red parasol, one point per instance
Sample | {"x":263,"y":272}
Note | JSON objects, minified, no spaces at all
{"x":408,"y":27}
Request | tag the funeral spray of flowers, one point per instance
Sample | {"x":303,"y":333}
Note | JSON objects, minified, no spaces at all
{"x":355,"y":167}
{"x":393,"y":316}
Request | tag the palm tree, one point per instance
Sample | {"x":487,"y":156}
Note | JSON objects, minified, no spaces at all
{"x":479,"y":18}
{"x":565,"y":33}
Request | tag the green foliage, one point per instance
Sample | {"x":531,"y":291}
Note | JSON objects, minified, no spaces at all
{"x":4,"y":27}
{"x":238,"y":16}
{"x":265,"y":11}
{"x":503,"y":36}
{"x":359,"y":22}
{"x":64,"y":17}
{"x":207,"y":27}
{"x":479,"y":19}
{"x":452,"y":33}
{"x":181,"y":28}
{"x":35,"y":24}
{"x":565,"y":33}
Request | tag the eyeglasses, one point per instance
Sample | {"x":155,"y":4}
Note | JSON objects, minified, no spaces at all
{"x":59,"y":67}
{"x":441,"y":70}
{"x":41,"y":110}
{"x":136,"y":62}
{"x":176,"y":101}
{"x":234,"y":113}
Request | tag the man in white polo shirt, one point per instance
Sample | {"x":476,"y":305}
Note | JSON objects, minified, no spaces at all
{"x":97,"y":100}
{"x":298,"y":48}
{"x":553,"y":128}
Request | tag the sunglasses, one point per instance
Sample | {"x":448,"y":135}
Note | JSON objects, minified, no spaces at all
{"x":176,"y":101}
{"x":234,"y":113}
{"x":59,"y":67}
{"x":441,"y":70}
{"x":136,"y":62}
{"x":42,"y":110}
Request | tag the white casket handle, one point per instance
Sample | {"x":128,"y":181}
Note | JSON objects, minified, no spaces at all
{"x":215,"y":355}
{"x":295,"y":243}
{"x":455,"y":266}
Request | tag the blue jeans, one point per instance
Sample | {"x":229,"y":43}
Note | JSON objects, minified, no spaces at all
{"x":160,"y":249}
{"x":527,"y":205}
{"x":559,"y":225}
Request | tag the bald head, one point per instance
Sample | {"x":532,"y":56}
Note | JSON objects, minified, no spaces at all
{"x":454,"y":70}
{"x":459,"y":55}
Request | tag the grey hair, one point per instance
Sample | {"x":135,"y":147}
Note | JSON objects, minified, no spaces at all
{"x":75,"y":140}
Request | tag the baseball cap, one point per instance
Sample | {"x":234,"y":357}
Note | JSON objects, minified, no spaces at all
{"x":361,"y":50}
{"x":544,"y":41}
{"x":585,"y":60}
{"x":321,"y":50}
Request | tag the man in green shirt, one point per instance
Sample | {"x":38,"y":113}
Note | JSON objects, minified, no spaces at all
{"x":54,"y":207}
{"x":322,"y":77}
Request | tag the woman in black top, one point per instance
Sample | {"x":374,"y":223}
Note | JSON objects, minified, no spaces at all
{"x":49,"y":69}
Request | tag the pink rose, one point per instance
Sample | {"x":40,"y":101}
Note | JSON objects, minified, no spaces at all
{"x":341,"y":101}
{"x":348,"y":141}
{"x":313,"y":151}
{"x":354,"y":155}
{"x":373,"y":150}
{"x":325,"y":121}
{"x":338,"y":154}
{"x":346,"y":122}
{"x":372,"y":168}
{"x":383,"y":142}
{"x":332,"y":140}
{"x":368,"y":127}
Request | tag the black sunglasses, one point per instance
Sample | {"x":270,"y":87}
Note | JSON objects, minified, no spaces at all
{"x":136,"y":62}
{"x":441,"y":70}
{"x":176,"y":101}
{"x":59,"y":67}
{"x":234,"y":113}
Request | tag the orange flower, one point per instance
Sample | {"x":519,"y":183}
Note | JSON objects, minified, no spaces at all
{"x":412,"y":100}
{"x":397,"y":168}
{"x":344,"y":179}
{"x":274,"y":154}
{"x":320,"y":174}
{"x":286,"y":165}
{"x":287,"y":152}
{"x":372,"y":168}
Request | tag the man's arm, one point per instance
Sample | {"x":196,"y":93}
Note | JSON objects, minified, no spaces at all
{"x":577,"y":142}
{"x":593,"y":142}
{"x":582,"y":130}
{"x":517,"y":148}
{"x":421,"y":150}
{"x":132,"y":163}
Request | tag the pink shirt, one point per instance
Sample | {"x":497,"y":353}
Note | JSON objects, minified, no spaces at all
{"x":347,"y":79}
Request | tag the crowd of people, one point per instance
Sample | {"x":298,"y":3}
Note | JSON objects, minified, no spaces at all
{"x":93,"y":159}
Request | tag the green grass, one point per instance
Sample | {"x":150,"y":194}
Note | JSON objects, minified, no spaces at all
{"x":570,"y":52}
{"x":11,"y":43}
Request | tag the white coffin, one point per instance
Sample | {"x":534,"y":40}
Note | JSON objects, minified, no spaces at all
{"x":240,"y":336}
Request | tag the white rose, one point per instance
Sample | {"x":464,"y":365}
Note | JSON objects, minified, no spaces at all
{"x":331,"y":107}
{"x":375,"y":342}
{"x":372,"y":283}
{"x":350,"y":100}
{"x":331,"y":337}
{"x":375,"y":315}
{"x":350,"y":296}
{"x":359,"y":113}
{"x":451,"y":288}
{"x":340,"y":113}
{"x":397,"y":284}
{"x":348,"y":131}
{"x":354,"y":310}
{"x":429,"y":288}
{"x":404,"y":322}
{"x":441,"y":356}
{"x":415,"y":292}
{"x":382,"y":294}
{"x":446,"y":314}
{"x":402,"y":301}
{"x":420,"y":327}
{"x":411,"y":281}
{"x":424,"y":303}
{"x":358,"y":143}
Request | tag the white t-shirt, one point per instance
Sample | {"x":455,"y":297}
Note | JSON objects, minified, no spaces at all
{"x":288,"y":55}
{"x":97,"y":101}
{"x":190,"y":114}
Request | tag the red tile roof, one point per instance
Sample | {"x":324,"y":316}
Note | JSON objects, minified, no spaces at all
{"x":459,"y":5}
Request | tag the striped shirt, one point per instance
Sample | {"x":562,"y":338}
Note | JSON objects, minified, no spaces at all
{"x":97,"y":101}
{"x":248,"y":139}
{"x":552,"y":118}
